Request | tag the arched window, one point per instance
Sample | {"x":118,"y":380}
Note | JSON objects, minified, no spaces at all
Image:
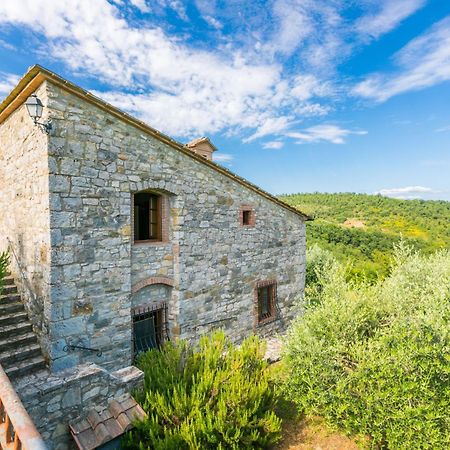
{"x":149,"y":327}
{"x":149,"y":313}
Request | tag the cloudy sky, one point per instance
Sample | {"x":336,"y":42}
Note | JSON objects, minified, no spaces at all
{"x":298,"y":95}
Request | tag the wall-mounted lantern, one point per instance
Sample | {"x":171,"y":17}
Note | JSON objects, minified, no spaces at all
{"x":35,"y":108}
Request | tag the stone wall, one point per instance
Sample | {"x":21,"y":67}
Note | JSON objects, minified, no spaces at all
{"x":54,"y":403}
{"x":151,"y":294}
{"x":96,"y":163}
{"x":24,"y":210}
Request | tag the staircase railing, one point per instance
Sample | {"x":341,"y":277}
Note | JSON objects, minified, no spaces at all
{"x":17,"y":430}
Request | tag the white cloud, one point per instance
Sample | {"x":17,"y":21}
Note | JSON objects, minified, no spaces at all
{"x":273,"y":145}
{"x":307,"y":86}
{"x":7,"y":45}
{"x":213,"y":22}
{"x":272,"y":125}
{"x":141,"y":5}
{"x":408,"y":192}
{"x":321,"y":32}
{"x":175,"y":5}
{"x":321,"y":133}
{"x":294,"y":25}
{"x":315,"y":29}
{"x":222,"y":157}
{"x":389,"y":14}
{"x":183,"y":91}
{"x":424,"y":62}
{"x":209,"y":12}
{"x":311,"y":109}
{"x":239,"y":87}
{"x":7,"y":82}
{"x":443,"y":129}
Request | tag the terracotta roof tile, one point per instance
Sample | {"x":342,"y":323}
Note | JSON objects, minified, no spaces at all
{"x":81,"y":426}
{"x":136,"y":412}
{"x":128,"y":403}
{"x":101,"y":426}
{"x":86,"y":440}
{"x":102,"y":434}
{"x":94,"y":418}
{"x":115,"y":408}
{"x":113,"y":427}
{"x":124,"y":421}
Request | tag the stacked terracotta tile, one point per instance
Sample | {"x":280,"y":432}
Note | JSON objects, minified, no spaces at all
{"x":100,"y":427}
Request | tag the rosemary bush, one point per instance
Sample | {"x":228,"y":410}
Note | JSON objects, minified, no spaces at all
{"x":217,"y":397}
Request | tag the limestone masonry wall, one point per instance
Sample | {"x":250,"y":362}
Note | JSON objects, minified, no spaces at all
{"x":66,"y":213}
{"x":96,"y":163}
{"x":70,"y":394}
{"x":24,"y":211}
{"x":94,"y":269}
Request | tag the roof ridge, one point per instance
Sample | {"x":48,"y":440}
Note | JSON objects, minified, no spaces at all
{"x":37,"y":74}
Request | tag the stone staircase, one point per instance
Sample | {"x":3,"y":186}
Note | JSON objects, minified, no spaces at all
{"x":20,"y":353}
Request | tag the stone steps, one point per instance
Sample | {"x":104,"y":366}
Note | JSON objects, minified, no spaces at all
{"x":9,"y":289}
{"x":11,"y":307}
{"x":17,"y":341}
{"x":20,"y":353}
{"x":8,"y":280}
{"x":25,"y":367}
{"x":14,"y":329}
{"x":9,"y":298}
{"x":14,"y":318}
{"x":11,"y":356}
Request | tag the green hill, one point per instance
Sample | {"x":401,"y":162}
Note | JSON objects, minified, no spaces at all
{"x":363,"y":228}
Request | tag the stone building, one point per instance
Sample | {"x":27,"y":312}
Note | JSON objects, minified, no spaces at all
{"x":121,"y":237}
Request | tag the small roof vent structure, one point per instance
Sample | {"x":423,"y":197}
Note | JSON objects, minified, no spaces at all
{"x":203,"y":147}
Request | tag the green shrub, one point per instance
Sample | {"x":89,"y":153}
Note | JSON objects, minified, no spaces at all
{"x":4,"y":263}
{"x":322,"y":269}
{"x":218,"y":397}
{"x":375,"y":360}
{"x":319,"y":261}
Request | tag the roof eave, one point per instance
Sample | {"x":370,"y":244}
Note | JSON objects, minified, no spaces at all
{"x":37,"y":74}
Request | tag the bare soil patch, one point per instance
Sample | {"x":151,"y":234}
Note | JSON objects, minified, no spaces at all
{"x":354,"y":223}
{"x":312,"y":434}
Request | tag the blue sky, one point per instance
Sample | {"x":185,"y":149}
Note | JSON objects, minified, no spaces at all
{"x":298,"y":95}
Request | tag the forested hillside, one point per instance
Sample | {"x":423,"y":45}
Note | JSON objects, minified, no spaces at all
{"x":363,"y":228}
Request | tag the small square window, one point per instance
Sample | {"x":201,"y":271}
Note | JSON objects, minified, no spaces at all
{"x":266,"y":296}
{"x":247,"y":216}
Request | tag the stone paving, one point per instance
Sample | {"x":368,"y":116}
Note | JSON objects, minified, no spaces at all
{"x":274,"y":346}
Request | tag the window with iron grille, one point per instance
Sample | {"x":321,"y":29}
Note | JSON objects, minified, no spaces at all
{"x":147,"y":217}
{"x":266,"y":297}
{"x":149,"y":327}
